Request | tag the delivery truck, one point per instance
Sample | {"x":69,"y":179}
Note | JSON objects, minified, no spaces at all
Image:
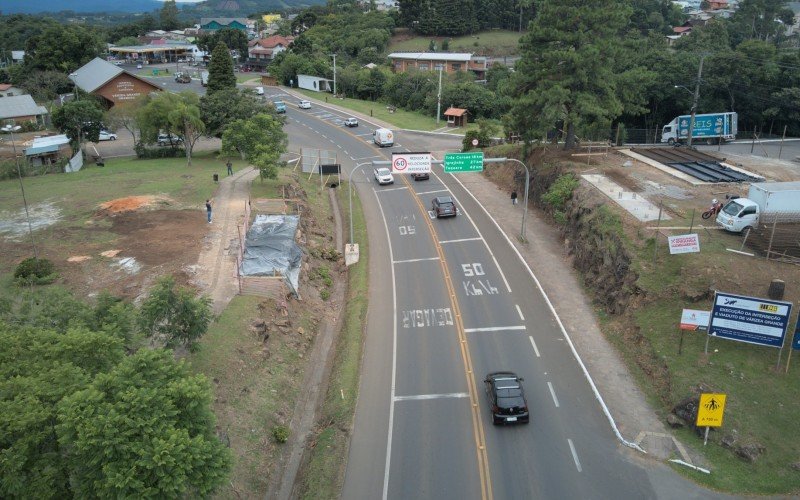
{"x":710,"y":128}
{"x":766,"y":203}
{"x":383,"y":137}
{"x":204,"y":78}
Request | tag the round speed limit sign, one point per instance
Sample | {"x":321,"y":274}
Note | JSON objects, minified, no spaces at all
{"x":474,"y":142}
{"x":400,"y":164}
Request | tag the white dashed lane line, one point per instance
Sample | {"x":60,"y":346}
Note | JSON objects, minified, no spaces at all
{"x":534,"y":347}
{"x":552,"y":393}
{"x":519,"y":311}
{"x":574,"y":455}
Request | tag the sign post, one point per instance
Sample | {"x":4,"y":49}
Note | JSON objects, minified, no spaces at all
{"x":710,"y":412}
{"x":463,"y":162}
{"x":795,"y":343}
{"x":693,"y":320}
{"x":683,"y":243}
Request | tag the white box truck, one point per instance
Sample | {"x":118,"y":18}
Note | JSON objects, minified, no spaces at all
{"x":204,"y":78}
{"x":710,"y":128}
{"x":766,"y":202}
{"x":383,"y":137}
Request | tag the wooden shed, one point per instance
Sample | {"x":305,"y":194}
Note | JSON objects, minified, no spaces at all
{"x":269,"y":80}
{"x":456,"y":117}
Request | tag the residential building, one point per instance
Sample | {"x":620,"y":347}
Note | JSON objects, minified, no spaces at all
{"x":8,"y":90}
{"x":48,"y":150}
{"x":22,"y":109}
{"x":261,"y":52}
{"x":212,"y":24}
{"x":449,"y":62}
{"x":111,"y":83}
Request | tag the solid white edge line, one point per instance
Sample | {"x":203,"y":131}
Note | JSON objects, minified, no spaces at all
{"x":574,"y":455}
{"x":553,"y":311}
{"x":414,"y":260}
{"x":420,"y":397}
{"x":519,"y":311}
{"x":485,"y":243}
{"x":394,"y":354}
{"x":434,"y":191}
{"x":459,"y":241}
{"x":553,"y":393}
{"x":534,"y":346}
{"x":494,"y":329}
{"x":392,"y":189}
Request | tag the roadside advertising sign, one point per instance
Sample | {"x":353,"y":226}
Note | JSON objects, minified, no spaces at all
{"x":411,"y":163}
{"x":796,"y":338}
{"x":684,"y":243}
{"x":749,"y":319}
{"x":692,"y":319}
{"x":711,"y":410}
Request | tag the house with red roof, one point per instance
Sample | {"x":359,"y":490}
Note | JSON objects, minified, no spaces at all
{"x":262,"y":51}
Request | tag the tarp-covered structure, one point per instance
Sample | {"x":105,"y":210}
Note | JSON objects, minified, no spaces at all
{"x":270,"y":249}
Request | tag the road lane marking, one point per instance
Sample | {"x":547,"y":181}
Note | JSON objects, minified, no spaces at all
{"x":494,"y":329}
{"x":519,"y":311}
{"x":553,"y":393}
{"x":574,"y":455}
{"x":432,"y":396}
{"x":534,"y":347}
{"x":436,"y":191}
{"x":459,"y":241}
{"x":393,"y":189}
{"x":414,"y":260}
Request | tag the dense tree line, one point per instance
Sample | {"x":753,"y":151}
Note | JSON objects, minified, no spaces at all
{"x":461,"y":17}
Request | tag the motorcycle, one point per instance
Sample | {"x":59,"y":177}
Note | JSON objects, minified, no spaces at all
{"x":716,"y":207}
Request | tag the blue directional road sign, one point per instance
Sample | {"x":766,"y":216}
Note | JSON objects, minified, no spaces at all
{"x":750,"y":319}
{"x":796,"y":339}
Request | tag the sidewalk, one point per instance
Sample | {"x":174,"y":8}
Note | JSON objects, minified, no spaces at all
{"x":547,"y":257}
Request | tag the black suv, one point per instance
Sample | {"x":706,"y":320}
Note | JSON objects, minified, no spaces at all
{"x":444,"y":206}
{"x":506,"y":398}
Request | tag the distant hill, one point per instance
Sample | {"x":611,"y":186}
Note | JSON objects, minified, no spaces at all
{"x":209,"y":6}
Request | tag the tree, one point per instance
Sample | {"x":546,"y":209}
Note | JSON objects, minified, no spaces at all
{"x":124,"y":116}
{"x":62,"y":48}
{"x":38,"y":368}
{"x":567,"y":70}
{"x":79,"y":120}
{"x":46,"y":86}
{"x":173,"y":314}
{"x":127,"y":41}
{"x":219,"y":109}
{"x":142,"y":430}
{"x":260,"y":140}
{"x":172,"y":113}
{"x":169,"y":16}
{"x":220,"y":70}
{"x":234,"y":39}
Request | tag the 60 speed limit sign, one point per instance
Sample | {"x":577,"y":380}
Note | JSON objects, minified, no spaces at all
{"x":411,"y":163}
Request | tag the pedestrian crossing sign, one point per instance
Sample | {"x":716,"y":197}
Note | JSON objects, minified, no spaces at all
{"x":709,"y":413}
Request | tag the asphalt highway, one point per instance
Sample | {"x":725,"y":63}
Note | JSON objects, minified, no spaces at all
{"x":450,"y":301}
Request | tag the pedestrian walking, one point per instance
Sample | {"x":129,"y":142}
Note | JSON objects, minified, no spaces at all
{"x":208,"y":210}
{"x":513,"y":197}
{"x":230,"y":167}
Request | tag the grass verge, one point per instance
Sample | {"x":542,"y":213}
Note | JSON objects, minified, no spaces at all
{"x":493,"y":43}
{"x":323,"y":473}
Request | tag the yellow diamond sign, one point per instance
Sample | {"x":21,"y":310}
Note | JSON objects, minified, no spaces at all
{"x":712,"y":406}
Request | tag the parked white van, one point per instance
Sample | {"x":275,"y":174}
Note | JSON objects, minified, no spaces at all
{"x":383,"y":137}
{"x":259,"y":90}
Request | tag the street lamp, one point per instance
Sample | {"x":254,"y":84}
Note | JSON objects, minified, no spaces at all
{"x":334,"y":74}
{"x":439,"y":96}
{"x":350,"y":186}
{"x":527,"y":183}
{"x":10,"y":129}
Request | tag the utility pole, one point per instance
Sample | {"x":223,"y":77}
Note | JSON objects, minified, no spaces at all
{"x":696,"y":98}
{"x":439,"y":97}
{"x":334,"y":75}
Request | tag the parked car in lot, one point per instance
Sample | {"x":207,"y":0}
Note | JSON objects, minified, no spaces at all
{"x":351,"y":122}
{"x":506,"y":398}
{"x":444,"y":206}
{"x":304,"y":105}
{"x":105,"y":135}
{"x":423,"y":176}
{"x":384,"y":176}
{"x":169,"y":139}
{"x":183,"y":78}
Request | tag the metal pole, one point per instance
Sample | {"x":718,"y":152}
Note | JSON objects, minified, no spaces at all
{"x":334,"y":75}
{"x":527,"y":183}
{"x":10,"y":129}
{"x":658,"y":230}
{"x":350,"y":191}
{"x":696,"y":98}
{"x":783,"y":137}
{"x":439,"y":98}
{"x":691,"y":224}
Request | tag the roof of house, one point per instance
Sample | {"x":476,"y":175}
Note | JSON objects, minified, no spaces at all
{"x":5,"y":86}
{"x":272,"y":41}
{"x":20,"y":105}
{"x":223,"y":20}
{"x":682,"y":29}
{"x":46,"y":144}
{"x":455,"y":112}
{"x":432,"y":56}
{"x":97,"y":72}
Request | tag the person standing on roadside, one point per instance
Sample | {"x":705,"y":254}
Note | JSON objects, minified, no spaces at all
{"x":208,"y":210}
{"x":514,"y":197}
{"x":230,"y":167}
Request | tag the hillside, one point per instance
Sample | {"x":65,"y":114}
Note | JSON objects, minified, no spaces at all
{"x":85,"y":6}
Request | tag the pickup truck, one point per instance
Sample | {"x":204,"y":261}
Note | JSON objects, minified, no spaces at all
{"x":280,"y":106}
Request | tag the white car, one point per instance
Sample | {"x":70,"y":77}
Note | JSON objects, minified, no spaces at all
{"x":351,"y":122}
{"x":304,"y":105}
{"x":105,"y":135}
{"x":384,"y":176}
{"x":169,"y":139}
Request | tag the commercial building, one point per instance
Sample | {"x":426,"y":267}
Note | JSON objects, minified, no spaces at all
{"x":111,"y":83}
{"x":449,"y":62}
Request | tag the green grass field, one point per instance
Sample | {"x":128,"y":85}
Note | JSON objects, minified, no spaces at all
{"x":489,"y":43}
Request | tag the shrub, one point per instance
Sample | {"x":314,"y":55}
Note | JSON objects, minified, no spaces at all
{"x":560,"y":191}
{"x":325,"y":294}
{"x":280,"y":433}
{"x":145,"y":153}
{"x":35,"y":271}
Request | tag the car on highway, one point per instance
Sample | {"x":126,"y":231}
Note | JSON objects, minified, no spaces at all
{"x":422,"y":176}
{"x":384,"y":176}
{"x":280,"y":107}
{"x":351,"y":122}
{"x":169,"y":139}
{"x":139,"y":66}
{"x":444,"y":206}
{"x":304,"y":105}
{"x":105,"y":135}
{"x":506,"y":398}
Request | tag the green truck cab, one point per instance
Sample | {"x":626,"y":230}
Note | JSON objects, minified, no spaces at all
{"x":280,"y":107}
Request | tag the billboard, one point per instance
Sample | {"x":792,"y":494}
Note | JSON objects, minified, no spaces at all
{"x":749,"y":319}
